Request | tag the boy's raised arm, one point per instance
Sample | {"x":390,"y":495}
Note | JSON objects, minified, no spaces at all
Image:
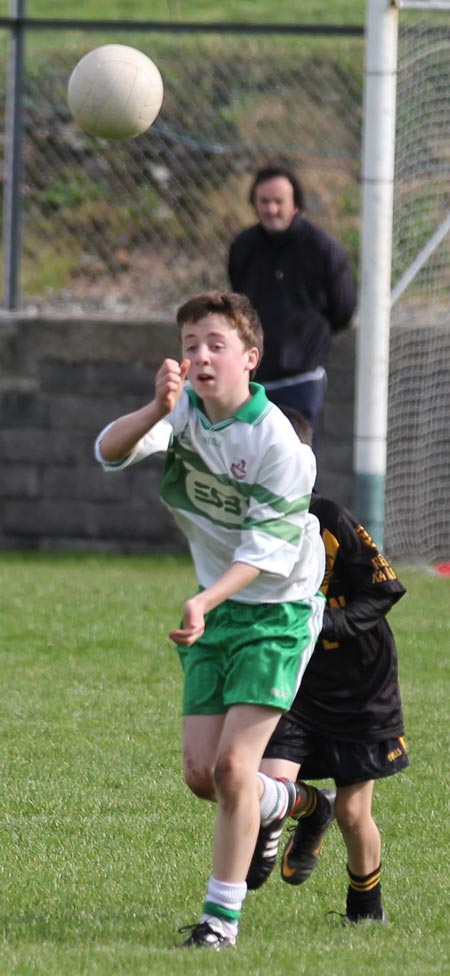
{"x":121,"y":437}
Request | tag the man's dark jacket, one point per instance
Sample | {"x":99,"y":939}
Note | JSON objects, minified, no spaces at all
{"x":300,"y":283}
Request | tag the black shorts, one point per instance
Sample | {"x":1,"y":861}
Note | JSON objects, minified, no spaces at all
{"x":347,"y":763}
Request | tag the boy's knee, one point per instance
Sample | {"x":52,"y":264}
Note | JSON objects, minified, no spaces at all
{"x":228,"y":775}
{"x":350,"y":813}
{"x":346,"y":819}
{"x":200,"y":782}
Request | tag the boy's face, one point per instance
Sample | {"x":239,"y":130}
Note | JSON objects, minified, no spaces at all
{"x":220,"y":365}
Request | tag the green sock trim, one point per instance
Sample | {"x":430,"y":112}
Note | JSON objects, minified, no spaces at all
{"x":231,"y":914}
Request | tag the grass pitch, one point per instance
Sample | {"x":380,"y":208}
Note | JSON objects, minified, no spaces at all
{"x":330,"y":11}
{"x":104,"y":853}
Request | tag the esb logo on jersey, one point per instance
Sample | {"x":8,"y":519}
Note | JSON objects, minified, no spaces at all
{"x":214,"y":499}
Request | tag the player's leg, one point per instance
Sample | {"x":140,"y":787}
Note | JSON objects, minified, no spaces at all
{"x":314,"y":817}
{"x":360,"y":765}
{"x":203,"y":706}
{"x":286,"y":749}
{"x":306,"y":809}
{"x":201,"y":738}
{"x":245,"y":732}
{"x":363,"y":844}
{"x":279,"y":769}
{"x":353,"y":810}
{"x":290,"y":749}
{"x":264,"y":664}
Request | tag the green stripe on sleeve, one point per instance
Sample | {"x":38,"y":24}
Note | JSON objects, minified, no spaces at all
{"x":279,"y":528}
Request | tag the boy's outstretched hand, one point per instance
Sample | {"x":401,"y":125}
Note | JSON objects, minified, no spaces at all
{"x":169,"y":383}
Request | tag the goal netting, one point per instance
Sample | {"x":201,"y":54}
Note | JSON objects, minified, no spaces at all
{"x":417,"y":518}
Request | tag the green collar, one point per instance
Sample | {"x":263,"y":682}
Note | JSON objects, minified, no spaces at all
{"x":250,"y":413}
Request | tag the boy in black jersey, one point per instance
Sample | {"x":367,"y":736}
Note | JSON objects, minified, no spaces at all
{"x":346,"y":721}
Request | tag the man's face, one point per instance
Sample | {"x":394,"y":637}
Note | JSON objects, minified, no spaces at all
{"x":274,"y":204}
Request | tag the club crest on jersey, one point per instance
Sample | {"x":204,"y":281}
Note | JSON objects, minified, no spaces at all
{"x":238,"y":469}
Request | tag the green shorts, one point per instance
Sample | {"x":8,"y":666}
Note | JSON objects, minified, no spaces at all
{"x":252,"y":654}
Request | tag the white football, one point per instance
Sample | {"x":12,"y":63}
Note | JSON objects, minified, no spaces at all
{"x":115,"y":92}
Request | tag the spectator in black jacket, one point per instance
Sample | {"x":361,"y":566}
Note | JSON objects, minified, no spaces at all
{"x":299,"y":280}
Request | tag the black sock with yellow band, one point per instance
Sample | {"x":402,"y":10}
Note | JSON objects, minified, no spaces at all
{"x":306,"y":801}
{"x":364,"y":896}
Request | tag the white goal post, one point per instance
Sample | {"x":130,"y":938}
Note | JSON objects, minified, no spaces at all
{"x":372,"y":345}
{"x":376,"y":295}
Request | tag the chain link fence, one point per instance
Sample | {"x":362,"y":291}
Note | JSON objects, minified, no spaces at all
{"x":421,"y":218}
{"x":131,"y":229}
{"x":418,"y":474}
{"x":137,"y":226}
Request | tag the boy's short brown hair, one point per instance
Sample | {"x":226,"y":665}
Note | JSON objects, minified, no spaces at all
{"x":235,"y":308}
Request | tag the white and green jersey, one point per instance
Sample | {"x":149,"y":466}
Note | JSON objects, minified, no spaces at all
{"x":240,"y":491}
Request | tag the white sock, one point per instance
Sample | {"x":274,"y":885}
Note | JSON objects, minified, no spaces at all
{"x":274,"y":801}
{"x":230,"y":896}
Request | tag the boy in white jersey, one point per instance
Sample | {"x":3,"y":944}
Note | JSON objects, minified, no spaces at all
{"x":239,"y":483}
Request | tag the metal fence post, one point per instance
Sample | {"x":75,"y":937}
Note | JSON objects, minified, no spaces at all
{"x":13,"y":157}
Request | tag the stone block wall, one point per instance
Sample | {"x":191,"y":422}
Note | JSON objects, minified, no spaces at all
{"x":61,"y":381}
{"x":335,"y":445}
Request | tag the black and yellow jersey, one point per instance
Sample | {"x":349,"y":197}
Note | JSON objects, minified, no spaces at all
{"x":350,"y":688}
